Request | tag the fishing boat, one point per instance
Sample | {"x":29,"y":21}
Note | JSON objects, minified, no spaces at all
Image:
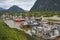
{"x":19,"y":20}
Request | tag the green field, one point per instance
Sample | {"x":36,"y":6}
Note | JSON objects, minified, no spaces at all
{"x":51,"y":20}
{"x":41,"y":13}
{"x":7,"y":33}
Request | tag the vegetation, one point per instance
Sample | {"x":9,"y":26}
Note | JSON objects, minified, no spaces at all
{"x":51,"y":20}
{"x":41,"y":13}
{"x":7,"y":33}
{"x":46,"y":5}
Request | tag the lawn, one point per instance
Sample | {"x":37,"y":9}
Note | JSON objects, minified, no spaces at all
{"x":7,"y":33}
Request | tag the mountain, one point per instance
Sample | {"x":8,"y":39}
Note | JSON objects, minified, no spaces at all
{"x":46,"y":5}
{"x":1,"y":9}
{"x":15,"y":9}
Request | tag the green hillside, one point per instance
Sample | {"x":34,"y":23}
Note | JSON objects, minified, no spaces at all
{"x":7,"y":33}
{"x":46,"y":5}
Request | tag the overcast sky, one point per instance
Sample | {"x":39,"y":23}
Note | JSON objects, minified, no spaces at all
{"x":25,"y":4}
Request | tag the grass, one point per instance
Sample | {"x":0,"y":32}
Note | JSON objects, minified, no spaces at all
{"x":51,"y":20}
{"x":7,"y":33}
{"x":38,"y":14}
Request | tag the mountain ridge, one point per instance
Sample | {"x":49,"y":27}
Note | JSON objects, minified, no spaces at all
{"x":1,"y":9}
{"x":46,"y":5}
{"x":13,"y":8}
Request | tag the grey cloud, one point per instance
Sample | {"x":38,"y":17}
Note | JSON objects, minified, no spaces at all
{"x":25,"y":4}
{"x":26,"y":0}
{"x":2,"y":1}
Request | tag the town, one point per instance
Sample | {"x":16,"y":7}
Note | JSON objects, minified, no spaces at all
{"x":34,"y":26}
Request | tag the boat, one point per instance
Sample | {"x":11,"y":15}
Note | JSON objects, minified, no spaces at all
{"x":19,"y":20}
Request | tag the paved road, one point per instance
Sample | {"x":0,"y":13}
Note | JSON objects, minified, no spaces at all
{"x":12,"y":24}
